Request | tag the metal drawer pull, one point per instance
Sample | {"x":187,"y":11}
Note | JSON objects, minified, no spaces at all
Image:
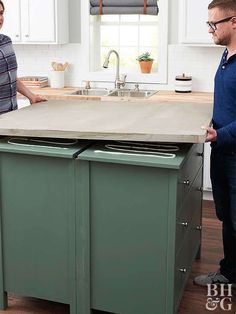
{"x":184,"y":224}
{"x":47,"y":143}
{"x":186,"y":182}
{"x":137,"y":151}
{"x":97,"y":151}
{"x":160,"y":147}
{"x":183,"y":270}
{"x":199,"y":228}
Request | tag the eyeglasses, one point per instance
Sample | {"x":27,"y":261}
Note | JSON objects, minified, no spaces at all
{"x":212,"y":25}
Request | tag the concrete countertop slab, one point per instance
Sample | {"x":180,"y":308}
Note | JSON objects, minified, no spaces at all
{"x":162,"y":121}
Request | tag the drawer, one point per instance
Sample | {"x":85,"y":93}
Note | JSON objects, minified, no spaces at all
{"x":185,"y":257}
{"x":188,"y":172}
{"x":192,"y":207}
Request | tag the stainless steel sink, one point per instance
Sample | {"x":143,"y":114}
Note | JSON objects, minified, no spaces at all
{"x":132,"y":93}
{"x":116,"y":92}
{"x":91,"y":92}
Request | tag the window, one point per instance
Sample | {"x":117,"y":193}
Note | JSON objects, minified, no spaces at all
{"x":130,"y":36}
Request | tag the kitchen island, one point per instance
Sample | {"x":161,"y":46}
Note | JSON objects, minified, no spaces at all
{"x":137,"y":217}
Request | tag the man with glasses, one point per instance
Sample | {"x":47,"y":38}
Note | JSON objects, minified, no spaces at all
{"x":222,"y":135}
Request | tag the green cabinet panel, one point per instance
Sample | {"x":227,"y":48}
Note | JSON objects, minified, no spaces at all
{"x":191,"y":204}
{"x":133,"y":205}
{"x":187,"y":173}
{"x":125,"y":223}
{"x":37,"y":215}
{"x":38,"y":208}
{"x":188,"y":236}
{"x":185,"y":257}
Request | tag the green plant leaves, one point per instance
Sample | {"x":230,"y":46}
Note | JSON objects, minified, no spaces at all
{"x":145,"y":57}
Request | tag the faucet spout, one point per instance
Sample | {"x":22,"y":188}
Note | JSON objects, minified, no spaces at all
{"x":118,"y":81}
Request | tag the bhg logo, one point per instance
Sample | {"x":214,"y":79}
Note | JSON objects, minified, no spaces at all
{"x":219,"y":296}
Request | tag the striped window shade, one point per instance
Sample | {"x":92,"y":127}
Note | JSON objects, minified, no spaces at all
{"x":99,"y":7}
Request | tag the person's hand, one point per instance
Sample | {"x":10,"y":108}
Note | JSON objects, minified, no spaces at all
{"x":35,"y":99}
{"x":211,"y":134}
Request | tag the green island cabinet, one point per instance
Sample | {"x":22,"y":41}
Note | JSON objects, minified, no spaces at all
{"x":138,"y":228}
{"x":38,"y":210}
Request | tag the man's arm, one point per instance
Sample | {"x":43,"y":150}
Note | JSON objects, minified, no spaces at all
{"x":225,"y":136}
{"x":22,"y":89}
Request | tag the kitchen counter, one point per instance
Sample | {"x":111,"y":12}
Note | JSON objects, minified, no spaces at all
{"x":62,"y":93}
{"x":159,"y":120}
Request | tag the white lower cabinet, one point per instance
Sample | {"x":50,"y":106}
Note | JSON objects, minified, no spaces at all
{"x":36,"y":21}
{"x":206,"y":171}
{"x":23,"y":102}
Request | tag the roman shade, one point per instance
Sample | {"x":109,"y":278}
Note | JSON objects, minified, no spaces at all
{"x":99,"y":7}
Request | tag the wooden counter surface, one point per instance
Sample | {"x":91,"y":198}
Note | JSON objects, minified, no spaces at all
{"x":62,"y":93}
{"x":144,"y":120}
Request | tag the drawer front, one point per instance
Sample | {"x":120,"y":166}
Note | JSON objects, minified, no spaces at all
{"x":186,"y":256}
{"x":192,"y":205}
{"x":188,"y":172}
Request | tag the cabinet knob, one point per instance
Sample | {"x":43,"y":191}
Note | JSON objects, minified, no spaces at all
{"x":26,"y":35}
{"x":199,"y":228}
{"x":200,"y":189}
{"x":186,"y":182}
{"x":183,"y":270}
{"x":17,"y":35}
{"x":184,"y":224}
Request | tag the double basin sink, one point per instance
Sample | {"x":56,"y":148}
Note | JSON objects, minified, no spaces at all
{"x":115,"y":93}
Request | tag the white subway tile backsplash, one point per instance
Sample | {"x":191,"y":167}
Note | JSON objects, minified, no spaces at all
{"x":199,"y":62}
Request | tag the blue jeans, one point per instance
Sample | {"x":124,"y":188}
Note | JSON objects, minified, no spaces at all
{"x":223,"y":178}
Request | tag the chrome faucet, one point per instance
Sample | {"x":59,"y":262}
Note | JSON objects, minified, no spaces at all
{"x":118,"y":81}
{"x":87,"y":85}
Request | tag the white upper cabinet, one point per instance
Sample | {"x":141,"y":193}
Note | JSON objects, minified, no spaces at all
{"x":36,"y":21}
{"x":192,"y":22}
{"x":11,"y":25}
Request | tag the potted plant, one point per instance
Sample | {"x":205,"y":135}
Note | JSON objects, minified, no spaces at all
{"x":145,"y":62}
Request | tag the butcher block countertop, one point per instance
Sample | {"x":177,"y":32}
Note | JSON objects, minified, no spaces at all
{"x":144,"y":120}
{"x":62,"y":93}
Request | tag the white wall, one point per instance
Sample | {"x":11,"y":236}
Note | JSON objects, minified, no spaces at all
{"x":199,"y":62}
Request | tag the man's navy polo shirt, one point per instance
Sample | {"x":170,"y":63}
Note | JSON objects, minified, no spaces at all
{"x":224,"y":113}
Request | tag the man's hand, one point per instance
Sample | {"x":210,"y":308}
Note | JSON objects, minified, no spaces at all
{"x":211,"y":134}
{"x":35,"y":98}
{"x":21,"y":88}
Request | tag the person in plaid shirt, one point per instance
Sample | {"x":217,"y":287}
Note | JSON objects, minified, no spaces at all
{"x":9,"y":83}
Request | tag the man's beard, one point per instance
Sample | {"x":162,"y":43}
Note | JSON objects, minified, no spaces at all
{"x":221,"y":41}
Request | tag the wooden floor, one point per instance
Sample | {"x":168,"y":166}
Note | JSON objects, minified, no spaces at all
{"x":194,"y":299}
